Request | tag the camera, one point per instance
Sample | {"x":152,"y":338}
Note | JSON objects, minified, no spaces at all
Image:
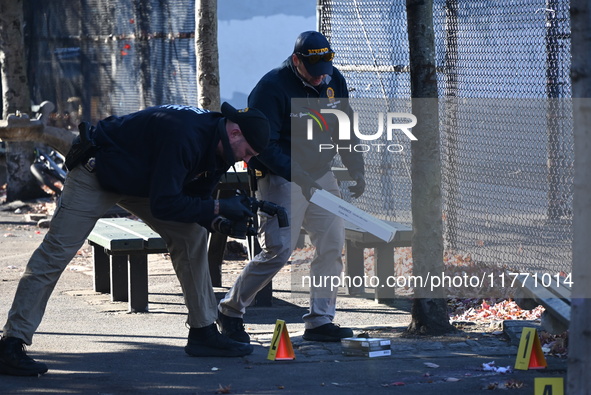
{"x":243,"y":228}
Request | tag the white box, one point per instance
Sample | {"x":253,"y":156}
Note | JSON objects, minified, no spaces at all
{"x":366,"y":344}
{"x":356,"y":216}
{"x":369,"y":354}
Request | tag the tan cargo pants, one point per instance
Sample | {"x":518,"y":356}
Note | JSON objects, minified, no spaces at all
{"x":81,"y":204}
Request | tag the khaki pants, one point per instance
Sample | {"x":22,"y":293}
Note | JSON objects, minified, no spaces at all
{"x":326,"y":232}
{"x":81,"y":204}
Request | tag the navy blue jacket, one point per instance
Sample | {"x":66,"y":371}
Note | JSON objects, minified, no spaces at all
{"x":289,"y":149}
{"x":166,"y":153}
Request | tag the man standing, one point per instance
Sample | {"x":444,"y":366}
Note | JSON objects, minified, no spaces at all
{"x":292,"y":166}
{"x":161,"y":164}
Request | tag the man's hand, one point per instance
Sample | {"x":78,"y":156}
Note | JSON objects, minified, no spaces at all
{"x":357,"y":189}
{"x":307,"y":184}
{"x":235,"y":208}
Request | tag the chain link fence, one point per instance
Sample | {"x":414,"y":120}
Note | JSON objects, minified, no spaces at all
{"x":95,"y":58}
{"x":505,"y":120}
{"x":503,"y":73}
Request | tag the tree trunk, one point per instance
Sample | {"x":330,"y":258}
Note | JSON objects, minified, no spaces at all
{"x":142,"y":31}
{"x":429,"y":310}
{"x":579,"y":350}
{"x":206,"y":49}
{"x":22,"y":185}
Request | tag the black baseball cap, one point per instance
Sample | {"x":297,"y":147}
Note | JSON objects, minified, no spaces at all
{"x":314,"y":50}
{"x":253,"y":124}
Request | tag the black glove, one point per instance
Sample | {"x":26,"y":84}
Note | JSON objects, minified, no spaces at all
{"x":357,"y":189}
{"x":307,"y":183}
{"x":235,"y":208}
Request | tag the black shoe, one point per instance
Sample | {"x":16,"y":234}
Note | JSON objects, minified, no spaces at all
{"x":233,"y":328}
{"x":327,"y":333}
{"x":14,"y":360}
{"x":209,"y":342}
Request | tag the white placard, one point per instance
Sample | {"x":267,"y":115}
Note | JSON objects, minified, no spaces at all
{"x":353,"y":214}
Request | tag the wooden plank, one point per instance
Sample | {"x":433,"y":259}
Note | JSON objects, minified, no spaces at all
{"x":137,"y":274}
{"x":126,"y":235}
{"x":534,"y":289}
{"x":563,"y":291}
{"x":153,"y":241}
{"x":114,"y":239}
{"x":354,"y":266}
{"x":557,"y":306}
{"x":119,"y":278}
{"x":101,"y":269}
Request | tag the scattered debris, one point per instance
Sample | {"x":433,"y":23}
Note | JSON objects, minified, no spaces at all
{"x":509,"y":384}
{"x":490,"y":367}
{"x":396,"y":384}
{"x":490,"y":310}
{"x":44,"y":223}
{"x":224,"y":389}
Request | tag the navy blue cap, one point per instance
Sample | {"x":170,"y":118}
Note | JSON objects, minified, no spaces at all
{"x":254,"y":125}
{"x":313,"y":43}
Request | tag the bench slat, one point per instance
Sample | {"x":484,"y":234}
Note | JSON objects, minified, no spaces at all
{"x":152,"y":239}
{"x":558,"y":304}
{"x":563,"y":291}
{"x":113,"y":240}
{"x":402,"y":238}
{"x":123,"y":234}
{"x":120,"y":248}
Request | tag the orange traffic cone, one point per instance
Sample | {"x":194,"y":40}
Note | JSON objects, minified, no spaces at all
{"x":284,"y":349}
{"x":537,"y":359}
{"x":281,"y":348}
{"x":530,"y":354}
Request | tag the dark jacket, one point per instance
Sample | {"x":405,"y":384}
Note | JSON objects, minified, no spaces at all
{"x":289,"y":149}
{"x":165,"y":153}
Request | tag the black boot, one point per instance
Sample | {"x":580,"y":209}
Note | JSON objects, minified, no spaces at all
{"x":327,"y":333}
{"x":15,"y":361}
{"x":233,"y":327}
{"x":209,"y":342}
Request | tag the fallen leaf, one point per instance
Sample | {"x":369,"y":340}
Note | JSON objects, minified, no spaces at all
{"x":224,"y":389}
{"x":514,"y":384}
{"x":491,"y":386}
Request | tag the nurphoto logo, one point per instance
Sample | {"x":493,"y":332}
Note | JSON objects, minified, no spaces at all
{"x":395,"y":122}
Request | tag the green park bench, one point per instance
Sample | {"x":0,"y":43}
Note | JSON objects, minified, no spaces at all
{"x":120,"y":249}
{"x":357,"y":240}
